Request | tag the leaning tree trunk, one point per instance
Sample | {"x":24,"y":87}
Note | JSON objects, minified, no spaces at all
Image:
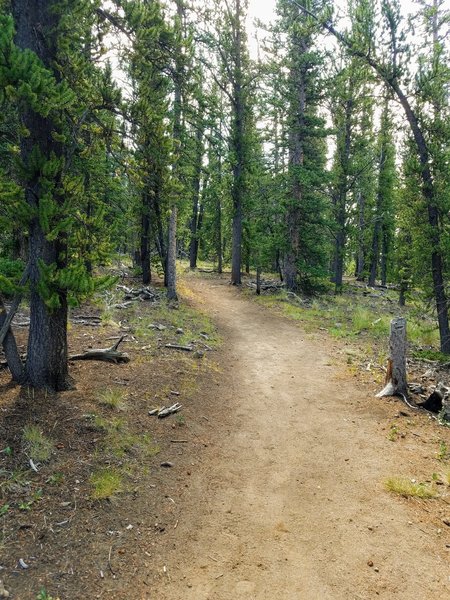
{"x":36,"y":24}
{"x":13,"y":359}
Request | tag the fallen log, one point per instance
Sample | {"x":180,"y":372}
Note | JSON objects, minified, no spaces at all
{"x":111,"y":354}
{"x":170,"y":410}
{"x":177,"y":347}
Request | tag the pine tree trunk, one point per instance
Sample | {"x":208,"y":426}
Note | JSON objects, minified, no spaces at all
{"x":219,"y":244}
{"x":145,"y":240}
{"x":360,"y":255}
{"x":296,"y":159}
{"x":171,"y":274}
{"x":384,"y":257}
{"x":46,"y":367}
{"x":341,"y":205}
{"x":193,"y":249}
{"x":429,"y":191}
{"x":374,"y":259}
{"x":238,"y":143}
{"x":172,"y":255}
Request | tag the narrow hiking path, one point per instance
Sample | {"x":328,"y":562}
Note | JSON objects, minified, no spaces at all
{"x":289,"y":501}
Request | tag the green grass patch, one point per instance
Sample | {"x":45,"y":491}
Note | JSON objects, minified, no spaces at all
{"x":105,"y":483}
{"x":114,"y":398}
{"x":431,"y":355}
{"x":13,"y":482}
{"x":195,"y":325}
{"x":409,"y":489}
{"x":37,"y":445}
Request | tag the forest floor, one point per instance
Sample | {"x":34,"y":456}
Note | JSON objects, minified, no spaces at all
{"x":279,"y":458}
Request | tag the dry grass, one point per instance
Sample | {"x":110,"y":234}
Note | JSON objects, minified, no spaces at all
{"x":409,"y":488}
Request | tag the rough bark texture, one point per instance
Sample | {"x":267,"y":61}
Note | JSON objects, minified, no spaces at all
{"x":341,"y":194}
{"x":238,"y":142}
{"x":360,"y":255}
{"x":396,"y":381}
{"x":195,"y":224}
{"x":13,"y":359}
{"x":296,"y":160}
{"x":46,"y":367}
{"x":172,"y":253}
{"x":171,"y":274}
{"x":145,"y":240}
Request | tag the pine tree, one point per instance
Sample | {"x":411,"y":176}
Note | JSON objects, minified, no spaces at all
{"x":305,"y":252}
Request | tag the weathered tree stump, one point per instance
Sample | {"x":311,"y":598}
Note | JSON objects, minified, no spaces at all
{"x":396,"y":382}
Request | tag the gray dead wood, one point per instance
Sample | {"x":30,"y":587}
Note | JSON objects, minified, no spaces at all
{"x":111,"y":354}
{"x":177,"y":347}
{"x":7,"y":339}
{"x":170,"y":410}
{"x":14,"y":306}
{"x":396,"y":380}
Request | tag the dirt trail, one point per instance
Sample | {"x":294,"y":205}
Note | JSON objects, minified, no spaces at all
{"x":289,"y":503}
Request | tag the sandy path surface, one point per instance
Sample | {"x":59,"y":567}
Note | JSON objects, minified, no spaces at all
{"x":289,"y":503}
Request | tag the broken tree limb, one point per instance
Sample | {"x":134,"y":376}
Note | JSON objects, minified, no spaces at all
{"x":14,"y":306}
{"x":111,"y":354}
{"x":396,"y":382}
{"x":165,"y":412}
{"x":177,"y":347}
{"x":7,"y":339}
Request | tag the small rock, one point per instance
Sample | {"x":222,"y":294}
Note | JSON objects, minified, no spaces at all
{"x":370,"y":563}
{"x":167,"y":464}
{"x":199,"y":354}
{"x":179,"y":331}
{"x":376,"y":569}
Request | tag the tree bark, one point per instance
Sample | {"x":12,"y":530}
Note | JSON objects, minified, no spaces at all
{"x":145,"y":241}
{"x":177,"y":112}
{"x":360,"y":255}
{"x":238,"y":145}
{"x":390,"y":78}
{"x":258,"y":281}
{"x":396,"y":381}
{"x":341,"y":196}
{"x":46,"y":367}
{"x":172,"y":253}
{"x":193,"y":249}
{"x":13,"y":359}
{"x":296,"y":160}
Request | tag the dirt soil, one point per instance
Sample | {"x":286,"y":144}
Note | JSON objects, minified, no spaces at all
{"x":276,"y":490}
